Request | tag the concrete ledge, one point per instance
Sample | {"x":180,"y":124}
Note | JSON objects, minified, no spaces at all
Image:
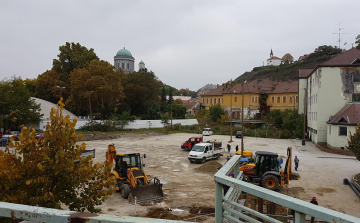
{"x":339,"y":152}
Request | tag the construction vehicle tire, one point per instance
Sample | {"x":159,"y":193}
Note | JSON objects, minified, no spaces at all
{"x":125,"y":190}
{"x":270,"y":182}
{"x":203,"y":160}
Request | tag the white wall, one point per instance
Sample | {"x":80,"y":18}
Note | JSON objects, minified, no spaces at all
{"x":333,"y":138}
{"x":275,"y":62}
{"x":137,"y":124}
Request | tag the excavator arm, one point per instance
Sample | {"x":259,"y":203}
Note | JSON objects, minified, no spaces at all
{"x":285,"y":175}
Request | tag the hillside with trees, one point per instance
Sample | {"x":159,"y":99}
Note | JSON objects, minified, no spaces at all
{"x":290,"y":70}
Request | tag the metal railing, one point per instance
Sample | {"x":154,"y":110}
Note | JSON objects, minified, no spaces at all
{"x":227,"y":209}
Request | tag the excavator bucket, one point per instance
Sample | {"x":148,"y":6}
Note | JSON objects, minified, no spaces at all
{"x":146,"y":193}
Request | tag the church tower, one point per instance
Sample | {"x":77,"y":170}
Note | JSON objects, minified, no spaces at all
{"x":271,"y":53}
{"x":141,"y":65}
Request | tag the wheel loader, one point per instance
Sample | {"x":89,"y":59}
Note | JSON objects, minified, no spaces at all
{"x":265,"y":170}
{"x":131,"y":179}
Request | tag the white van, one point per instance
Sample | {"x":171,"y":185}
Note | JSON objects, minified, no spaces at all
{"x":207,"y":132}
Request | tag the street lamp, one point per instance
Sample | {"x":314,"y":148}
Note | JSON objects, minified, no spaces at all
{"x":305,"y":113}
{"x":61,"y":88}
{"x":231,"y":114}
{"x":242,"y":118}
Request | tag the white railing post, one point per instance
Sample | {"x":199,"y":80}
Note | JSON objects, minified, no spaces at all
{"x":218,"y":202}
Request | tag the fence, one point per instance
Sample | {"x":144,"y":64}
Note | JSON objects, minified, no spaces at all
{"x":233,"y":211}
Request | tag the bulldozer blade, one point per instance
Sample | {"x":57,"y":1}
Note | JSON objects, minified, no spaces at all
{"x":145,"y":194}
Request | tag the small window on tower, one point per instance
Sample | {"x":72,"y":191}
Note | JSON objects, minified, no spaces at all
{"x":128,"y":66}
{"x":123,"y":66}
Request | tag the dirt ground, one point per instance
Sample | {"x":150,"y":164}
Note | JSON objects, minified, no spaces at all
{"x":190,"y":187}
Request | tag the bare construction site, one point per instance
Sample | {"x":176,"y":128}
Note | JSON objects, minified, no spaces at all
{"x":189,"y":188}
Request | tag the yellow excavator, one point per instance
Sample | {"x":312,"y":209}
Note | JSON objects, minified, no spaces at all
{"x":131,"y":179}
{"x":265,"y":170}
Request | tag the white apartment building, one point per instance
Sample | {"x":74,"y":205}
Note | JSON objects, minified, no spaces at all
{"x":324,"y":91}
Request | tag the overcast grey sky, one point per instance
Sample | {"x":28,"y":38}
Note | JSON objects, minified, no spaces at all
{"x":187,"y":44}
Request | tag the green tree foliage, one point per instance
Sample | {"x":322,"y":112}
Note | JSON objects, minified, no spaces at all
{"x":357,"y":40}
{"x":203,"y":116}
{"x":287,"y":58}
{"x":141,"y":89}
{"x":165,"y":119}
{"x":72,"y":56}
{"x":31,"y":85}
{"x":100,"y":85}
{"x":163,"y":95}
{"x":153,"y":112}
{"x":287,"y":120}
{"x":325,"y":51}
{"x":354,"y":142}
{"x":178,"y":110}
{"x":50,"y":172}
{"x":215,"y":112}
{"x":123,"y":119}
{"x":171,"y":99}
{"x":16,"y":106}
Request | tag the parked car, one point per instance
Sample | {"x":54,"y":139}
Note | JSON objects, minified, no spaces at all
{"x":39,"y":136}
{"x":5,"y":140}
{"x":238,"y":134}
{"x":207,"y":132}
{"x":15,"y":134}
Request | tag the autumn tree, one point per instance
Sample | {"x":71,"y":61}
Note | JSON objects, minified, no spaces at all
{"x":50,"y":172}
{"x":47,"y":86}
{"x":325,"y":51}
{"x":354,"y":142}
{"x":287,"y":58}
{"x":72,"y":56}
{"x":16,"y":104}
{"x":99,"y":85}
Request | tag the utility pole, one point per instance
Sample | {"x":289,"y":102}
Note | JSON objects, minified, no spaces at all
{"x":242,"y":119}
{"x":231,"y":115}
{"x":91,"y":116}
{"x":305,"y":114}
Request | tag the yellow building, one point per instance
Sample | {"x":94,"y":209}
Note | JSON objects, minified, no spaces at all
{"x":278,"y":95}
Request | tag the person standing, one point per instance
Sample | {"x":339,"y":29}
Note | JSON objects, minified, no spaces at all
{"x":228,"y":147}
{"x":296,"y":161}
{"x":237,"y":148}
{"x":313,"y":201}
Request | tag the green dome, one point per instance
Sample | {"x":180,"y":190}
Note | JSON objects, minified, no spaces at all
{"x":141,"y":62}
{"x":124,"y":52}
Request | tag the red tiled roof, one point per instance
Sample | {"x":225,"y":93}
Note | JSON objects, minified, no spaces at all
{"x":265,"y":86}
{"x":345,"y":58}
{"x":348,"y":115}
{"x":304,"y":72}
{"x":274,"y":57}
{"x":189,"y":104}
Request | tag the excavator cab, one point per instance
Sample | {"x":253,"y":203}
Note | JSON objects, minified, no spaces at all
{"x":266,"y":161}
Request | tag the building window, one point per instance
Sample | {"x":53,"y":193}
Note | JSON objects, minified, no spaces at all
{"x":210,"y":100}
{"x":272,"y":99}
{"x":123,"y":66}
{"x":128,"y":66}
{"x":203,"y":100}
{"x":278,"y":100}
{"x":252,"y":100}
{"x":256,"y":99}
{"x":235,"y":99}
{"x":342,"y":131}
{"x":284,"y":99}
{"x":218,"y":100}
{"x":356,"y":97}
{"x":291,"y":99}
{"x":356,"y":78}
{"x":207,"y":101}
{"x":222,"y":100}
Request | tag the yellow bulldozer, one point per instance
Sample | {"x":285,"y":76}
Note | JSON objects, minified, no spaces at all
{"x":265,"y":169}
{"x":131,"y":179}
